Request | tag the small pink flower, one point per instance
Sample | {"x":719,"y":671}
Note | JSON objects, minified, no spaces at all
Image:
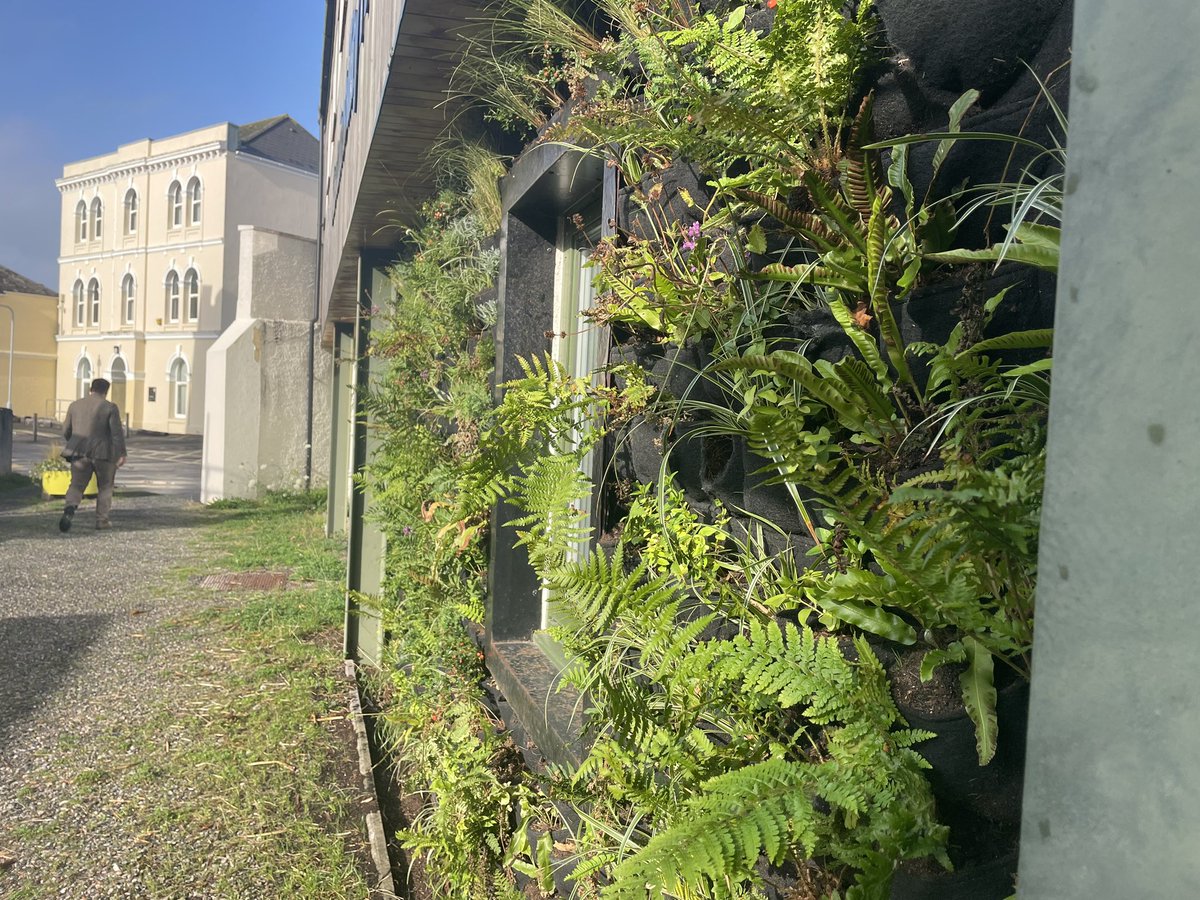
{"x":691,"y":235}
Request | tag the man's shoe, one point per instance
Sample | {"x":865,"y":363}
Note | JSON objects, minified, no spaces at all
{"x":64,"y":524}
{"x":102,"y":524}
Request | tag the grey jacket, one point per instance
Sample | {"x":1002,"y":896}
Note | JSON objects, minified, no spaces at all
{"x":93,"y":429}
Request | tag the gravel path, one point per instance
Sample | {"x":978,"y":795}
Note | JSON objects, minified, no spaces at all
{"x":78,"y":617}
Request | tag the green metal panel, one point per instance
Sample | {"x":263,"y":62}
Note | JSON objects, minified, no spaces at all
{"x":342,"y":425}
{"x":367,"y":547}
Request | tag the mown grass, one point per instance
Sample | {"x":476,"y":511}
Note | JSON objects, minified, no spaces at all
{"x":242,"y":780}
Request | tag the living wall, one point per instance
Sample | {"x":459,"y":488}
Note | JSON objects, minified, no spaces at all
{"x":823,"y":416}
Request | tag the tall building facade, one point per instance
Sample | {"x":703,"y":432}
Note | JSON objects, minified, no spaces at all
{"x":148,"y":269}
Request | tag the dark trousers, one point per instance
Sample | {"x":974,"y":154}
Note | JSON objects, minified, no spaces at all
{"x":81,"y":472}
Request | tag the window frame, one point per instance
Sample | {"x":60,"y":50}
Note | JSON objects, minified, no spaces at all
{"x":195,"y":191}
{"x":83,"y":381}
{"x":172,"y":296}
{"x":131,"y":211}
{"x":97,"y":219}
{"x":93,"y":302}
{"x":191,"y":295}
{"x":128,"y":298}
{"x":175,"y":205}
{"x":81,"y":222}
{"x":179,"y":386}
{"x":79,"y":295}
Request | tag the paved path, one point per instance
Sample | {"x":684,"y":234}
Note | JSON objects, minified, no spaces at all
{"x":79,"y":617}
{"x":158,"y":463}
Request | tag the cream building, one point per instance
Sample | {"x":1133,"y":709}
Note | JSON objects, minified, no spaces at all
{"x":28,"y":321}
{"x":148,"y":273}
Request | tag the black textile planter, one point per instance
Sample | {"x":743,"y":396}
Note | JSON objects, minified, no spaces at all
{"x":958,"y":781}
{"x":992,"y":880}
{"x":772,"y":502}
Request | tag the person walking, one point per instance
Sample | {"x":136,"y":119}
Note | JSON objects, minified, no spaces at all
{"x":95,"y":443}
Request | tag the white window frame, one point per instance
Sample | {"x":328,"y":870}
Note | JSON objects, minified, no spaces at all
{"x":131,"y":211}
{"x":93,"y":302}
{"x":128,"y":298}
{"x":179,"y":387}
{"x":175,"y":205}
{"x":191,"y":295}
{"x":194,"y":200}
{"x":83,"y":377}
{"x":97,"y":218}
{"x":172,"y":296}
{"x":77,"y":295}
{"x":81,"y":222}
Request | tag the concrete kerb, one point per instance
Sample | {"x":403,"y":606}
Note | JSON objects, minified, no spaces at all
{"x":385,"y":886}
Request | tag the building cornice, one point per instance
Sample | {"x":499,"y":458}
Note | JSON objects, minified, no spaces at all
{"x":135,"y":251}
{"x":127,"y":168}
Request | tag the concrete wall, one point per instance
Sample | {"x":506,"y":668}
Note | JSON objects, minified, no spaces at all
{"x":257,"y":375}
{"x":1112,"y":777}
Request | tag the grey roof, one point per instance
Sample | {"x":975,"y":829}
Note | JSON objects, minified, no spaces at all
{"x":12,"y":283}
{"x":282,"y":139}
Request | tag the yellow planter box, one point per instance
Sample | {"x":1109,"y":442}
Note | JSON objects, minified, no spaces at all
{"x":56,"y":484}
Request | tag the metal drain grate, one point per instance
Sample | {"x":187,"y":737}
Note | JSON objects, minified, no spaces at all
{"x":245,"y":581}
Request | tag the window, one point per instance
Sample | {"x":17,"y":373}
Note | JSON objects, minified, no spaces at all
{"x":97,"y":218}
{"x":178,"y":376}
{"x":576,"y":344}
{"x":83,"y":377}
{"x":94,"y":302}
{"x":81,"y":221}
{"x":131,"y":211}
{"x":191,"y":291}
{"x":172,"y":296}
{"x":174,"y":205}
{"x":193,"y":199}
{"x":80,"y":307}
{"x":128,"y":298}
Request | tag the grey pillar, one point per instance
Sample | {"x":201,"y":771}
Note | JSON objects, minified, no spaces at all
{"x":1112,"y":795}
{"x":6,"y":441}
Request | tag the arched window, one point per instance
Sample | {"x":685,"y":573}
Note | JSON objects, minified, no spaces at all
{"x":81,"y":221}
{"x":128,"y":298}
{"x":80,"y":305}
{"x":178,"y":377}
{"x":193,"y":199}
{"x":83,"y":377}
{"x":117,"y":376}
{"x":97,"y":219}
{"x":131,"y":211}
{"x":94,"y":302}
{"x":174,"y":205}
{"x":172,"y":296}
{"x":191,"y":295}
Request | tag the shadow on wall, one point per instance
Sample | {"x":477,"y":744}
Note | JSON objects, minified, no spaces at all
{"x":39,"y":653}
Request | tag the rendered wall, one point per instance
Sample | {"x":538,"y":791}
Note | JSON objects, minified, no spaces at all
{"x":33,"y":364}
{"x":257,"y":387}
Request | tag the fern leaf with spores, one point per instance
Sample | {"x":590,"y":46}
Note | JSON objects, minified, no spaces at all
{"x":1033,"y":339}
{"x":810,"y":273}
{"x":805,"y":223}
{"x":893,"y":342}
{"x":842,"y":214}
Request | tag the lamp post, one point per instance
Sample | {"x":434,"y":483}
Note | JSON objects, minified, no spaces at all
{"x":12,"y":333}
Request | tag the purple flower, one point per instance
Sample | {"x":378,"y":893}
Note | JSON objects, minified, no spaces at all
{"x":406,"y":530}
{"x":691,"y":235}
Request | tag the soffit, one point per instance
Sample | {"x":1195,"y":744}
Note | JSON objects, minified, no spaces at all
{"x":413,"y":114}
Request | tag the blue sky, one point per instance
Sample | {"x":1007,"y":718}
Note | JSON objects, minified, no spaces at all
{"x":79,"y":78}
